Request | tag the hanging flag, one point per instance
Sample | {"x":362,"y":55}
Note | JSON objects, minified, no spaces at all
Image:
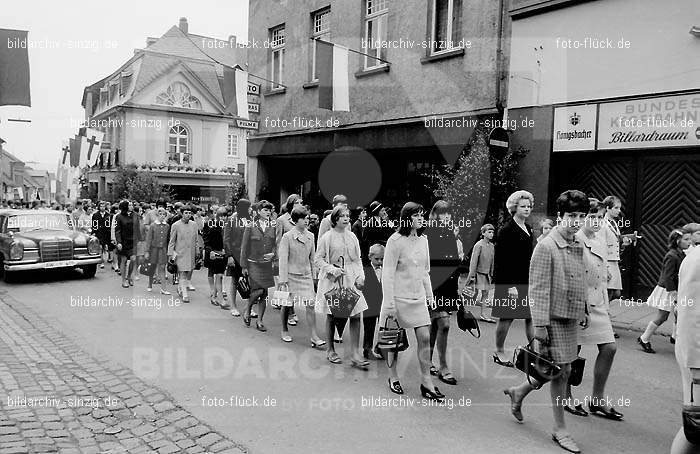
{"x":66,"y":155}
{"x":14,"y":68}
{"x":333,"y":83}
{"x":75,"y":146}
{"x":92,"y":142}
{"x":235,"y":91}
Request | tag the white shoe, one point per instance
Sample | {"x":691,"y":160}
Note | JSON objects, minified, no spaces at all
{"x":164,"y":292}
{"x":191,"y":288}
{"x":137,"y":278}
{"x":149,"y":289}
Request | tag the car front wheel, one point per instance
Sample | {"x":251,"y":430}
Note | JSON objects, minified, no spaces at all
{"x":89,"y":271}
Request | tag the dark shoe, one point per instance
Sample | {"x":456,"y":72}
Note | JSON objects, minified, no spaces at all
{"x":433,"y":370}
{"x":125,"y":284}
{"x":672,"y":340}
{"x":578,"y":410}
{"x":225,"y":306}
{"x":395,"y":387}
{"x":607,"y":414}
{"x":500,"y":362}
{"x":617,"y":336}
{"x":260,"y":327}
{"x":362,"y":365}
{"x":447,"y":378}
{"x":213,"y":302}
{"x":253,"y":314}
{"x":515,"y":406}
{"x":646,"y":346}
{"x":334,"y":358}
{"x":431,"y":395}
{"x":246,"y":320}
{"x":566,"y":442}
{"x":131,"y":282}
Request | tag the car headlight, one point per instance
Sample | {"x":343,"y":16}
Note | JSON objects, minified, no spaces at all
{"x":16,"y":251}
{"x":94,"y":246}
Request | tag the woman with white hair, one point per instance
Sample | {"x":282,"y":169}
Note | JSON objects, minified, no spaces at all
{"x":511,"y":271}
{"x":688,"y":342}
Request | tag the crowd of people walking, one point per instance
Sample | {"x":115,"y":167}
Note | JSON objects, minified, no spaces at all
{"x":405,"y":271}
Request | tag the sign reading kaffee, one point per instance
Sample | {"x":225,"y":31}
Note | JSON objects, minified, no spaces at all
{"x":669,"y":121}
{"x":574,"y":128}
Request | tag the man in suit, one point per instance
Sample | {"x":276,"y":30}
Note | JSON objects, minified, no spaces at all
{"x":373,"y":294}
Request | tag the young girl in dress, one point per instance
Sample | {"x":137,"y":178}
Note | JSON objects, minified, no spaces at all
{"x":481,"y":268}
{"x":664,"y":295}
{"x":546,"y":225}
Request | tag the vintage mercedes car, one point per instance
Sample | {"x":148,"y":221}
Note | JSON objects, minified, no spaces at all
{"x":44,"y":239}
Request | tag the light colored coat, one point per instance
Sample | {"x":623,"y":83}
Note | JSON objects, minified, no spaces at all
{"x":184,"y":241}
{"x":688,"y":332}
{"x":595,"y":256}
{"x":406,"y":270}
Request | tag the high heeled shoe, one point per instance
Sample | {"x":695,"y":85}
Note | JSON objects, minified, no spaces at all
{"x":515,"y":406}
{"x":500,"y":362}
{"x":431,"y":395}
{"x":395,"y":386}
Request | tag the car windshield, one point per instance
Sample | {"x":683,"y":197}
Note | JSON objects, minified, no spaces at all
{"x":48,"y":221}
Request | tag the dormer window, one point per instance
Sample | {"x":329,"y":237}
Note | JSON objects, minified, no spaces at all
{"x":178,"y":95}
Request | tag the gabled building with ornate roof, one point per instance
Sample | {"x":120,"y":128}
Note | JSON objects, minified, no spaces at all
{"x":165,"y":111}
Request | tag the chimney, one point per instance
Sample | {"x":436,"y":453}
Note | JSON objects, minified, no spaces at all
{"x":183,"y":25}
{"x":150,"y":41}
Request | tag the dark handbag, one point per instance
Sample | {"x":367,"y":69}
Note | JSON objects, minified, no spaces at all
{"x":577,"y":367}
{"x":198,"y":262}
{"x":341,"y":300}
{"x":243,"y":287}
{"x":171,"y":267}
{"x":467,"y":322}
{"x":147,"y":269}
{"x":691,"y":418}
{"x":536,"y":365}
{"x":391,"y":340}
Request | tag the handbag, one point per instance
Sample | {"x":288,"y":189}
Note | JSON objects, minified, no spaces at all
{"x":391,"y":340}
{"x":281,"y":298}
{"x":171,"y":266}
{"x":537,"y":366}
{"x":577,"y":367}
{"x":467,"y":322}
{"x":341,"y":300}
{"x":691,"y":418}
{"x":147,"y":269}
{"x":243,"y":287}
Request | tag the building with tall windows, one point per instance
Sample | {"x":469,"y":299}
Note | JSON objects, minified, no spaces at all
{"x":420,"y":74}
{"x":164,"y":111}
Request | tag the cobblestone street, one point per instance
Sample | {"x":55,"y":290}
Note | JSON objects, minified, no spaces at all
{"x":56,"y":398}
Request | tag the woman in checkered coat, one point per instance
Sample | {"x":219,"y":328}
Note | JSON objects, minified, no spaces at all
{"x":558,"y":301}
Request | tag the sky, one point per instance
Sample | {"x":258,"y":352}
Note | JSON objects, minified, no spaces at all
{"x":90,"y":40}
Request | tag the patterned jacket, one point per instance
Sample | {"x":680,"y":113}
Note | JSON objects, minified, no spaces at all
{"x":557,"y":287}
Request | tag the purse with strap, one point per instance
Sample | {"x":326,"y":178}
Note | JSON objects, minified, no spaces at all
{"x":577,"y":367}
{"x":537,"y":366}
{"x":467,"y":322}
{"x":691,"y":418}
{"x":341,"y":300}
{"x":391,"y":340}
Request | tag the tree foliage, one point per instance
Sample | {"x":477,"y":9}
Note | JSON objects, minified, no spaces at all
{"x":236,"y":190}
{"x":132,"y":184}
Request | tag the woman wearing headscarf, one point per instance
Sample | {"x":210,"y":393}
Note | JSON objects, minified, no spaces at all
{"x":127,"y":234}
{"x":233,"y":237}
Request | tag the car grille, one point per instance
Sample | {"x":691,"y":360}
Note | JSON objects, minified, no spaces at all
{"x":56,"y":250}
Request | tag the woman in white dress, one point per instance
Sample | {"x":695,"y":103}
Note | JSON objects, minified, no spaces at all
{"x":338,"y":261}
{"x":406,"y":286}
{"x":598,"y":329}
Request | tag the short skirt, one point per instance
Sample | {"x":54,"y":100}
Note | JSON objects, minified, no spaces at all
{"x":158,"y":255}
{"x":563,"y":340}
{"x":662,"y":299}
{"x":615,"y":282}
{"x":411,"y":313}
{"x":260,"y":275}
{"x":301,"y":290}
{"x":508,"y":308}
{"x":483,"y":282}
{"x":127,"y":250}
{"x":600,"y":330}
{"x":321,"y":305}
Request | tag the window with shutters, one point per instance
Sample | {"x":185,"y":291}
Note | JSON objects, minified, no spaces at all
{"x":321,"y":29}
{"x":277,"y":42}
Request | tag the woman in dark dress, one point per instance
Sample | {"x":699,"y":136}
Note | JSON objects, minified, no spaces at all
{"x":513,"y":251}
{"x":444,"y":275}
{"x":215,"y":256}
{"x":127,"y":233}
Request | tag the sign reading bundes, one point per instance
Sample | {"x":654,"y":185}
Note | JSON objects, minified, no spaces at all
{"x":669,"y":121}
{"x":574,"y":128}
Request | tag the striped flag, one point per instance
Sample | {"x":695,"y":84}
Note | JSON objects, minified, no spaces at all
{"x":14,"y":68}
{"x":333,"y":82}
{"x":235,"y":91}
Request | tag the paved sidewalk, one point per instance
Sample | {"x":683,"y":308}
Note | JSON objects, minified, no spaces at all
{"x":634,"y":315}
{"x":54,"y":397}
